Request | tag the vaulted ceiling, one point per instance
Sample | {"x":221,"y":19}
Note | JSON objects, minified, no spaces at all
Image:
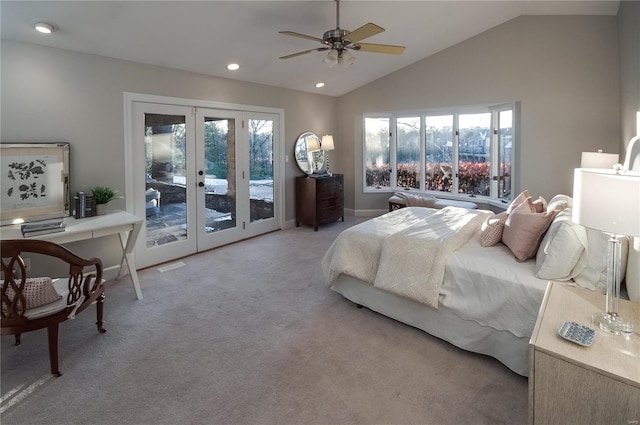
{"x":205,"y":36}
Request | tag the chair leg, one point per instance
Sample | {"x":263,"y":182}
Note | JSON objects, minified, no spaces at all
{"x":52,"y":332}
{"x":18,"y":339}
{"x":99,"y":312}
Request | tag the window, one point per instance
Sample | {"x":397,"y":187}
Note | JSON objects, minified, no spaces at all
{"x":408,"y":152}
{"x":376,"y":159}
{"x":467,"y":152}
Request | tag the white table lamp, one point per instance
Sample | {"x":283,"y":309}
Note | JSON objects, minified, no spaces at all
{"x":327,"y":145}
{"x":609,"y":201}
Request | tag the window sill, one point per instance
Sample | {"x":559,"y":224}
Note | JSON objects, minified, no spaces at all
{"x":443,"y":195}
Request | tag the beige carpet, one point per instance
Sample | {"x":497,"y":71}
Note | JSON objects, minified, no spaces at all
{"x":250,"y":334}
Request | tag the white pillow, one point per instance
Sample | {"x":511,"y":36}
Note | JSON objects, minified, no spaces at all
{"x":561,"y":249}
{"x":593,"y":261}
{"x":563,"y":198}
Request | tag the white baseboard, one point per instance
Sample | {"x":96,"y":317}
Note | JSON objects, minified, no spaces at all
{"x":365,"y":213}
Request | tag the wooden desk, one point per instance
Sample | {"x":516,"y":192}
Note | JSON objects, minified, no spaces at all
{"x":122,"y":223}
{"x":571,"y":384}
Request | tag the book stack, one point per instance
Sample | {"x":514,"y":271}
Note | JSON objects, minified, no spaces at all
{"x":44,"y":227}
{"x":84,"y":205}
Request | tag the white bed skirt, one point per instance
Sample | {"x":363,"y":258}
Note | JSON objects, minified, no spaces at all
{"x":511,"y":350}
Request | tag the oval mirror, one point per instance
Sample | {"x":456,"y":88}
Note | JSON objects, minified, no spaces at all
{"x":309,"y":156}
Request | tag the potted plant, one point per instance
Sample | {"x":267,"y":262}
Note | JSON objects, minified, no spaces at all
{"x":102,"y":195}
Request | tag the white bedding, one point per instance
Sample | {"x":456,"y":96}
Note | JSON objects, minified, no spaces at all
{"x":418,"y":272}
{"x":487,"y":285}
{"x":481,"y":284}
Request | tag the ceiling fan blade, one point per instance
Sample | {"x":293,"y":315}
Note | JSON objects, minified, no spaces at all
{"x":381,"y":48}
{"x":297,"y":34}
{"x":293,"y":55}
{"x":365,"y":31}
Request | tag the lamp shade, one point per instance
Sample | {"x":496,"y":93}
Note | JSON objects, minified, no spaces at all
{"x":346,"y":58}
{"x":332,"y":58}
{"x":606,"y":201}
{"x":598,"y":159}
{"x":327,"y":143}
{"x":313,"y":144}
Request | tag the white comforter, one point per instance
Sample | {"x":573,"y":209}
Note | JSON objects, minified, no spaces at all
{"x":377,"y":251}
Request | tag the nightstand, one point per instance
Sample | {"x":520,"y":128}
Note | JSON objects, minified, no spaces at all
{"x":572,"y":384}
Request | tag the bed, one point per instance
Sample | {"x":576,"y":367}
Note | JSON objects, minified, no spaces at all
{"x":480,"y":297}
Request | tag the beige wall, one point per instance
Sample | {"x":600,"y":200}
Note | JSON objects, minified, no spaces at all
{"x":563,"y":70}
{"x":54,"y":95}
{"x":629,"y":29}
{"x":58,"y":95}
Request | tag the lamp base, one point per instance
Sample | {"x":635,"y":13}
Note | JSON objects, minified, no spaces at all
{"x":611,"y":323}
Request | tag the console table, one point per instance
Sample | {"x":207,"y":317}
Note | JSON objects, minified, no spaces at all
{"x":572,"y":384}
{"x":122,"y":223}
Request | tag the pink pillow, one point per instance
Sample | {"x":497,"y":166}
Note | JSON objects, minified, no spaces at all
{"x":524,"y":229}
{"x":491,"y":231}
{"x":37,"y":291}
{"x":524,"y":195}
{"x":540,"y":205}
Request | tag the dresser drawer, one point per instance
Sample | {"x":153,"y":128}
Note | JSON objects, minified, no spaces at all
{"x":330,"y":213}
{"x":329,"y":202}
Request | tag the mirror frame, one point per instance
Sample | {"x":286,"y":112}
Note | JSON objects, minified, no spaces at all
{"x":308,"y":162}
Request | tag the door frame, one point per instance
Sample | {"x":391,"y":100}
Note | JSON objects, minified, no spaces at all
{"x":129,"y":140}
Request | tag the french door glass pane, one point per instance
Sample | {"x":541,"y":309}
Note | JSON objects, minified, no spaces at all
{"x":220,"y":174}
{"x":505,"y":141}
{"x":165,"y":195}
{"x":474,"y":154}
{"x":261,"y":169}
{"x":439,"y":152}
{"x":408,"y":152}
{"x":376,"y":155}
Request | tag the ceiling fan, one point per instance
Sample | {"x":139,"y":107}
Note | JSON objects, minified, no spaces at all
{"x":339,"y":41}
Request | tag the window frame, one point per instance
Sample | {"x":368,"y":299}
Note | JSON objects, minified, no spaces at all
{"x":494,"y":155}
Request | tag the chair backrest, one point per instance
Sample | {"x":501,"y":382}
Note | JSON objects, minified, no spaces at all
{"x":81,"y":283}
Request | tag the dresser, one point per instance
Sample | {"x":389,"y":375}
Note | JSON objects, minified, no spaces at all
{"x":319,"y":199}
{"x":572,"y":384}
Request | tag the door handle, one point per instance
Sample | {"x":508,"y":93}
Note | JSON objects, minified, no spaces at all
{"x":201,"y":184}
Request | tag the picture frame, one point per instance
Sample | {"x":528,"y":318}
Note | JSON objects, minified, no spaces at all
{"x":34,"y":181}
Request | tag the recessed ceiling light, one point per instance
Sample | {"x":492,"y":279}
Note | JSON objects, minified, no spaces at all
{"x":319,"y":85}
{"x":233,"y":67}
{"x":43,"y":27}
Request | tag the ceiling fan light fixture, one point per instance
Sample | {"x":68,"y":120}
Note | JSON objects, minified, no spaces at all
{"x":346,"y":58}
{"x":332,"y":58}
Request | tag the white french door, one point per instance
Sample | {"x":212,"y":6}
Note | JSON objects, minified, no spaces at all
{"x":203,"y":177}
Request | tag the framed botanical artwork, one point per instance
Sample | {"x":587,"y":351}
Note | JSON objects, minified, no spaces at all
{"x":34,"y":181}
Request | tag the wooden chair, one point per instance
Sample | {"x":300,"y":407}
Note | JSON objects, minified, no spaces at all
{"x":79,"y":290}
